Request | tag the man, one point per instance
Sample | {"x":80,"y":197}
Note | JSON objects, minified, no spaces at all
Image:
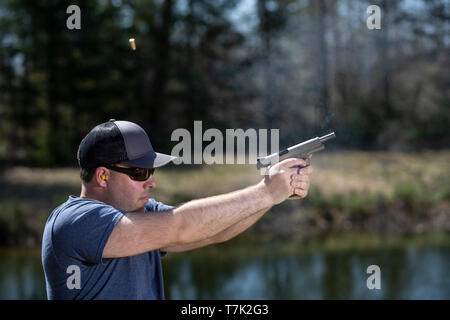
{"x":107,"y":243}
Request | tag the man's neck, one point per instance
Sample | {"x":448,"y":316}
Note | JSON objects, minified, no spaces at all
{"x":91,"y":194}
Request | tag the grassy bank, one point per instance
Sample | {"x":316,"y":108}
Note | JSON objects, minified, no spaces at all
{"x":373,"y":192}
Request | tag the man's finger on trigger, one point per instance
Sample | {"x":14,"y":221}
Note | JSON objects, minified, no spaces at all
{"x":294,"y":171}
{"x":293,"y":162}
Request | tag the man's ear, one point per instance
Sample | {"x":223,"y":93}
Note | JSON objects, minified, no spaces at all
{"x":101,"y":176}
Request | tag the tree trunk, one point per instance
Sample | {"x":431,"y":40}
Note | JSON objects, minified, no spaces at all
{"x":162,"y":56}
{"x":322,"y":64}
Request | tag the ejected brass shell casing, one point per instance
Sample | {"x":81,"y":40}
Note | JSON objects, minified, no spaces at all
{"x":132,"y":44}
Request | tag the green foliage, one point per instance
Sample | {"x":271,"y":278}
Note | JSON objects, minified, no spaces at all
{"x":16,"y":224}
{"x":413,"y":196}
{"x":356,"y":205}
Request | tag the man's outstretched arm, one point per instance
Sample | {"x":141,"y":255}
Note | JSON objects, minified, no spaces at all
{"x":301,"y":181}
{"x":222,"y":236}
{"x":200,"y":219}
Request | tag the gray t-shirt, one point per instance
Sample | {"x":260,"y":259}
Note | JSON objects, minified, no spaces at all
{"x":74,"y":237}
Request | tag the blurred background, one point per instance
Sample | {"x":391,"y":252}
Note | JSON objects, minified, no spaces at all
{"x":380,"y":193}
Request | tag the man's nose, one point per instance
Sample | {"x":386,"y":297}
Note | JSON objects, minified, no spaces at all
{"x":150,"y":182}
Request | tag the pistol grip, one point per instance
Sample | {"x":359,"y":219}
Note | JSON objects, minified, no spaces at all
{"x":308,"y":163}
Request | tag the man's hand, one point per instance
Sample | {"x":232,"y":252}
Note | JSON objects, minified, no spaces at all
{"x":285,"y":179}
{"x":300,"y":182}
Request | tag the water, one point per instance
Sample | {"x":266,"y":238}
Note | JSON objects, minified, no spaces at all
{"x":241,"y":273}
{"x":406,"y":273}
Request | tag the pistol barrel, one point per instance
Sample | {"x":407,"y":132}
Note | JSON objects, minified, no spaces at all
{"x":327,"y":137}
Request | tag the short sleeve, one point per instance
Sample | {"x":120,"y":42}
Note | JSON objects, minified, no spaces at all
{"x":153,"y":205}
{"x":83,"y":236}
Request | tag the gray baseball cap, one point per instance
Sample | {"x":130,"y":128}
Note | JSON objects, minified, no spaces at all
{"x":123,"y":142}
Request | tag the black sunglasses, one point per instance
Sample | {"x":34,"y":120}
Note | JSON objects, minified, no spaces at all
{"x":137,"y":174}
